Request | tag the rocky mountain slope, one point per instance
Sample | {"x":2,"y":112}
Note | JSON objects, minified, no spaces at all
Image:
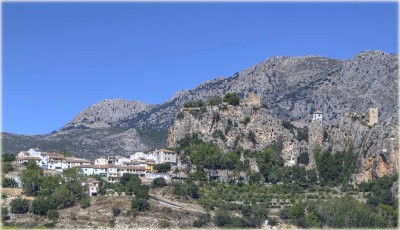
{"x":292,"y":87}
{"x":249,"y":126}
{"x":106,"y":113}
{"x":88,"y":143}
{"x":376,"y":147}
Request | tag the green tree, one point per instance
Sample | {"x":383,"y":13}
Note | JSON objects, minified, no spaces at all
{"x":142,"y":192}
{"x":232,"y":99}
{"x":19,"y":205}
{"x":162,"y":168}
{"x":313,"y":221}
{"x":158,"y":182}
{"x":140,"y":204}
{"x":42,"y":205}
{"x":31,"y":178}
{"x":303,"y":158}
{"x":256,"y":178}
{"x":63,"y":197}
{"x":8,"y":157}
{"x":49,"y":184}
{"x":73,"y":174}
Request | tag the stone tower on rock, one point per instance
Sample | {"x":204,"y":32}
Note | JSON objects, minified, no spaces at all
{"x":315,"y":136}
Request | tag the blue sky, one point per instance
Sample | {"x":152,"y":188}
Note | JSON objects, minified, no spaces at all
{"x":59,"y":58}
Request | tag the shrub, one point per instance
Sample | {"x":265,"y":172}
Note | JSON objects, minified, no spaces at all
{"x":8,"y":157}
{"x":273,"y":222}
{"x":158,"y":182}
{"x":49,"y":225}
{"x":252,"y":137}
{"x":63,"y":197}
{"x":85,"y":201}
{"x":303,"y":158}
{"x":52,"y":214}
{"x":19,"y":206}
{"x":202,"y":220}
{"x":288,"y":125}
{"x":142,"y":192}
{"x":232,"y":99}
{"x":41,"y":205}
{"x":198,"y":175}
{"x":73,"y":216}
{"x":216,"y":100}
{"x":7,"y":167}
{"x":284,"y":213}
{"x":140,"y":205}
{"x":221,"y":219}
{"x":302,"y":134}
{"x":313,"y":221}
{"x":116,"y":211}
{"x":193,"y":104}
{"x":4,"y":213}
{"x":346,"y":212}
{"x":163,"y":168}
{"x":164,"y":224}
{"x":245,"y":121}
{"x":180,"y":116}
{"x":220,"y":134}
{"x":9,"y":183}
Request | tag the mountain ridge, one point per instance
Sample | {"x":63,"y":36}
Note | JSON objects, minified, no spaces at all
{"x":292,"y":88}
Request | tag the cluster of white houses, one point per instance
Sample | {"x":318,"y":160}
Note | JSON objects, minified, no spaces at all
{"x":110,"y":168}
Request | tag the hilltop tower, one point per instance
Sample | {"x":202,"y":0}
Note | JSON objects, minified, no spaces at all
{"x":315,"y":136}
{"x":373,"y":116}
{"x":251,"y":100}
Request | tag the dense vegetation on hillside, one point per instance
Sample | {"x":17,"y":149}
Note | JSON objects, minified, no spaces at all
{"x":305,"y":200}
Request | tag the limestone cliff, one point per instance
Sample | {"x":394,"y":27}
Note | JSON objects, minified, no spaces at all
{"x":228,"y":126}
{"x":376,"y":146}
{"x":249,"y":126}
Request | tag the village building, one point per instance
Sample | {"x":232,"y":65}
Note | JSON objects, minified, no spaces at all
{"x":167,"y":156}
{"x":101,"y":161}
{"x":92,"y":186}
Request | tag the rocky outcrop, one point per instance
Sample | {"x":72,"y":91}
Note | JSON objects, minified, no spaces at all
{"x":248,"y":126}
{"x":376,"y":146}
{"x":107,"y":113}
{"x":230,"y":127}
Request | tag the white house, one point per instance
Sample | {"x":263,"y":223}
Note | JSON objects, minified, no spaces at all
{"x":167,"y":156}
{"x":317,"y":115}
{"x":120,"y":161}
{"x":101,"y":161}
{"x":137,"y":155}
{"x":92,"y":186}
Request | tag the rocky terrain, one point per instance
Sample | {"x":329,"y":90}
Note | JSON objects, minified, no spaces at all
{"x":230,"y":127}
{"x":88,"y":143}
{"x":376,"y":146}
{"x":291,"y":87}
